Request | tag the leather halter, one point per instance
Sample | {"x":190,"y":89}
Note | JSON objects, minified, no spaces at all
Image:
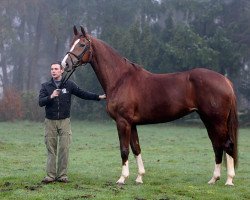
{"x":86,"y":47}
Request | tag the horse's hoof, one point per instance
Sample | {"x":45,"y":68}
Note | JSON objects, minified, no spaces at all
{"x":120,"y":183}
{"x":213,"y":180}
{"x":230,"y":183}
{"x":139,"y":180}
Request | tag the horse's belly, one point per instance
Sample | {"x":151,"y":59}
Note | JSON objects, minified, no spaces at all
{"x":163,"y":114}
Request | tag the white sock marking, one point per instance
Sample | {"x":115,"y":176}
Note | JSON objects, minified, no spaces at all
{"x":216,"y":175}
{"x":125,"y":170}
{"x":140,"y":165}
{"x":125,"y":173}
{"x":230,"y":170}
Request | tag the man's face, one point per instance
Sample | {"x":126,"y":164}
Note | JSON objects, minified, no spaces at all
{"x":56,"y":71}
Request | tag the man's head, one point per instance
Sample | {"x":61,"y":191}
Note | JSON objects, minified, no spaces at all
{"x":56,"y":71}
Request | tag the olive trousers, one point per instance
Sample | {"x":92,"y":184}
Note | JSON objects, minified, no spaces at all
{"x":57,"y":141}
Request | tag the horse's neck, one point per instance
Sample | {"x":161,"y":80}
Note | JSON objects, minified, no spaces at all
{"x":108,"y":65}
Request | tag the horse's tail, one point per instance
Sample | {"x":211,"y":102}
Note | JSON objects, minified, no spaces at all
{"x":232,"y":125}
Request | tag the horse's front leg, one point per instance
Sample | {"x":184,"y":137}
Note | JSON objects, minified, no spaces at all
{"x":124,"y":131}
{"x":135,"y":146}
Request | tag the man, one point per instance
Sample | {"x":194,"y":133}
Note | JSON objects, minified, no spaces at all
{"x":57,"y":104}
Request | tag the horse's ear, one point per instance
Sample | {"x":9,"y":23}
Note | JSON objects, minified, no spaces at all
{"x":83,"y":31}
{"x":75,"y":30}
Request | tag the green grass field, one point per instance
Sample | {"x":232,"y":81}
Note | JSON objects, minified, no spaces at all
{"x":178,"y":160}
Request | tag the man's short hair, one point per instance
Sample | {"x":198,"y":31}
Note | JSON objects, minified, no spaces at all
{"x":58,"y":63}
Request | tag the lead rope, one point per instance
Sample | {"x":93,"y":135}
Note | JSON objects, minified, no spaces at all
{"x":65,"y":78}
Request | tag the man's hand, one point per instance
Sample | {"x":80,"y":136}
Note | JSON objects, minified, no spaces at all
{"x":102,"y":96}
{"x":55,"y":93}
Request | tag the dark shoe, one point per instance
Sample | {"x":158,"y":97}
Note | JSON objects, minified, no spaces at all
{"x":48,"y":180}
{"x":63,"y":180}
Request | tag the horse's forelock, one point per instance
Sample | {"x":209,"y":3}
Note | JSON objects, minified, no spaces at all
{"x":76,"y":37}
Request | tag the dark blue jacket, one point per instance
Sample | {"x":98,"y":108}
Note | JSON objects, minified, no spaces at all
{"x":59,"y":107}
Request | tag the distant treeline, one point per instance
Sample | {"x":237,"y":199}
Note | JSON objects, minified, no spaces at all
{"x":163,"y":36}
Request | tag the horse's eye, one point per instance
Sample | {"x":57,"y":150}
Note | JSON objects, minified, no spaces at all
{"x":82,"y":45}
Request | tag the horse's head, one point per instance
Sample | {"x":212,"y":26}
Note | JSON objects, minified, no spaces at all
{"x":80,"y":52}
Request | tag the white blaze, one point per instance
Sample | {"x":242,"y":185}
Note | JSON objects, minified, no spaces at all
{"x":66,"y":57}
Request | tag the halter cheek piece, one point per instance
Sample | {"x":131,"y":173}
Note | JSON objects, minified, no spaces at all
{"x":80,"y":56}
{"x":77,"y":63}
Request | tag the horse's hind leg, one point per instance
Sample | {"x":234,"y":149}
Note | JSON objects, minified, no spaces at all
{"x":229,"y":149}
{"x":217,"y":169}
{"x":217,"y":135}
{"x":135,"y":146}
{"x":124,"y":131}
{"x":230,"y":170}
{"x":221,"y":143}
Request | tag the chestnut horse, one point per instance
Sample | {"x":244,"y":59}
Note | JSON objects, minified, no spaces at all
{"x":136,"y":96}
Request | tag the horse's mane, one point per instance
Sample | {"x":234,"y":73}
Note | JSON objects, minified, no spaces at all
{"x":117,"y":54}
